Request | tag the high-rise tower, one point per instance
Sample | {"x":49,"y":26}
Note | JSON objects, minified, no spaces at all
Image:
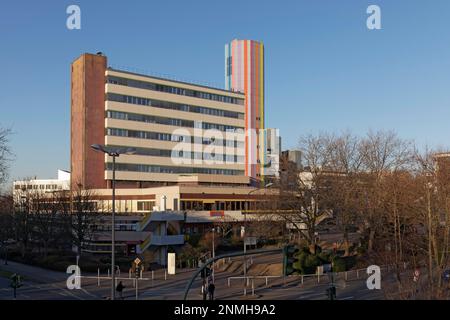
{"x":244,"y":72}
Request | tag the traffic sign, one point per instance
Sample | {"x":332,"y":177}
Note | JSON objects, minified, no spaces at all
{"x":416,"y":275}
{"x":137,"y":261}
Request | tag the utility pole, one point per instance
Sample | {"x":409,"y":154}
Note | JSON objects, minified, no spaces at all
{"x":113,"y":152}
{"x":213,"y":254}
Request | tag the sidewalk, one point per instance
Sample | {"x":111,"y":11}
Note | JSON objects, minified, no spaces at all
{"x":32,"y":273}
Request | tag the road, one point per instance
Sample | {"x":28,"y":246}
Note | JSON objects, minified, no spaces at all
{"x":44,"y":284}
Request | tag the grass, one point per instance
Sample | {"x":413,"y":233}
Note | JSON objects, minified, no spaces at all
{"x":6,"y":274}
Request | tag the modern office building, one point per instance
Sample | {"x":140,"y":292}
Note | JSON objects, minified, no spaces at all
{"x":199,"y":151}
{"x":182,"y":132}
{"x":244,"y":72}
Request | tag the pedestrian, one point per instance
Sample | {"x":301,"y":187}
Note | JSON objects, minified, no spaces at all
{"x":119,"y":289}
{"x":211,"y":289}
{"x":204,"y":291}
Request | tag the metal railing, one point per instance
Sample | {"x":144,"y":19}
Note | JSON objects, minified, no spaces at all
{"x":350,"y":275}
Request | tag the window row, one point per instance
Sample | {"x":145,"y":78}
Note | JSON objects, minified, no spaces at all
{"x":169,"y":121}
{"x":174,"y":90}
{"x":229,"y":158}
{"x":173,"y":106}
{"x":172,"y":137}
{"x":172,"y":169}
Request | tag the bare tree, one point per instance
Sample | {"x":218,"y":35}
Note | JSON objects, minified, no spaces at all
{"x":434,"y":207}
{"x":5,"y":154}
{"x":83,"y":218}
{"x":6,"y":221}
{"x":301,"y":202}
{"x":382,"y":152}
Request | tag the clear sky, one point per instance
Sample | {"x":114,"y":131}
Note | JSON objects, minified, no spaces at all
{"x":324,"y":69}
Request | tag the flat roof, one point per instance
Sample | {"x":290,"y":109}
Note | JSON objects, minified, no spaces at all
{"x":176,"y":81}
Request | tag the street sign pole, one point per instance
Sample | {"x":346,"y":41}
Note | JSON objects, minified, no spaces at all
{"x":137,"y":272}
{"x":137,"y":285}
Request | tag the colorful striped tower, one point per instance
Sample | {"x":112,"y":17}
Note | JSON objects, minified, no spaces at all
{"x":244,"y":72}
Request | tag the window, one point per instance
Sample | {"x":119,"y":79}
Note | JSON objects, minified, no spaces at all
{"x":174,"y":90}
{"x":173,"y":106}
{"x":145,"y":205}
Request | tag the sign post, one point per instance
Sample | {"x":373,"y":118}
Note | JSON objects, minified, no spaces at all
{"x":16,"y":283}
{"x":171,"y":263}
{"x":137,"y":271}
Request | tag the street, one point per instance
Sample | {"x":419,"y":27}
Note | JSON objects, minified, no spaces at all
{"x":41,"y":284}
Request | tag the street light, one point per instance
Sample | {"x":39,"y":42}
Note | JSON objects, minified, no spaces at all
{"x":113,"y":152}
{"x":213,"y":253}
{"x":245,"y":230}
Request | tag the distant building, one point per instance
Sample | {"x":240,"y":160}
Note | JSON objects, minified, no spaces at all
{"x":292,"y":158}
{"x":61,"y":183}
{"x":244,"y":72}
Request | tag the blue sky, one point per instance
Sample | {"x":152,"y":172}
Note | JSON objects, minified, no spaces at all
{"x":324,"y":69}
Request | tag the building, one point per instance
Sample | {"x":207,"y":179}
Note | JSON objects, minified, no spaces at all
{"x":178,"y":129}
{"x":199,"y":151}
{"x":272,"y":142}
{"x":61,"y":183}
{"x":244,"y":72}
{"x":150,"y":220}
{"x":293,"y":157}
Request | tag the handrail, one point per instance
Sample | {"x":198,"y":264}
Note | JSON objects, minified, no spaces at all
{"x":143,"y":246}
{"x":143,"y":223}
{"x":228,"y":255}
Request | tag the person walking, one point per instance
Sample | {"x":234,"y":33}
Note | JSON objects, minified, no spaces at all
{"x":204,"y":290}
{"x":119,"y":289}
{"x":211,"y":289}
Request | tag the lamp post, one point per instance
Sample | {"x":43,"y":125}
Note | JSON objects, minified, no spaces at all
{"x":113,"y":152}
{"x":213,"y":253}
{"x":245,"y":231}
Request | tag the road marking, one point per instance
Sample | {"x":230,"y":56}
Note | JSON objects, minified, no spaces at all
{"x":347,"y":298}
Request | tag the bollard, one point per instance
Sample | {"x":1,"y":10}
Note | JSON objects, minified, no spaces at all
{"x":141,"y":273}
{"x":152,"y":277}
{"x":129,"y":274}
{"x":108,"y":273}
{"x":98,"y":277}
{"x":357,"y":274}
{"x":302,"y":279}
{"x":229,"y":281}
{"x":165,"y":274}
{"x":318,"y":277}
{"x":253,"y":287}
{"x":267,"y":282}
{"x":345,"y":275}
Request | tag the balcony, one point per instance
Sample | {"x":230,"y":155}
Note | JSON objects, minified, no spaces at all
{"x":154,"y":240}
{"x":167,"y":240}
{"x":160,"y":216}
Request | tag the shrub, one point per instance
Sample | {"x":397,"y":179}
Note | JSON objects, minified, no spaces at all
{"x":339,"y":264}
{"x":306,"y":262}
